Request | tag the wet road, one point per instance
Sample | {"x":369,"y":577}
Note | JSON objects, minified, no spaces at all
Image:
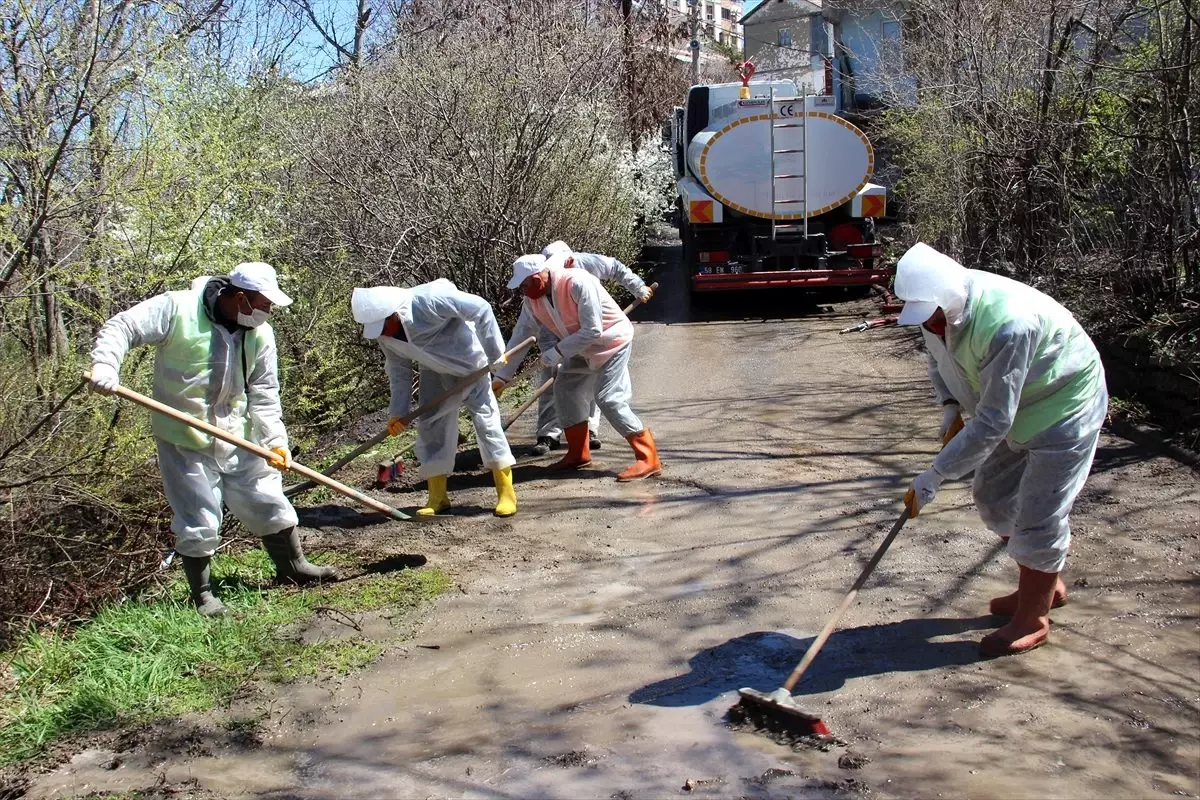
{"x":598,"y":637}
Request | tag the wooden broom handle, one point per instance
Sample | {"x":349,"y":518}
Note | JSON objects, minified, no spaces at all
{"x":825,"y":633}
{"x":638,"y":302}
{"x":257,"y":449}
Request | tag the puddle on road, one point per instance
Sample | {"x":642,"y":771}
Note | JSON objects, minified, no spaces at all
{"x":592,"y":607}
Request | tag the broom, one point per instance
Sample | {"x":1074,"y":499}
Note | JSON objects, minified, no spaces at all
{"x":778,"y":711}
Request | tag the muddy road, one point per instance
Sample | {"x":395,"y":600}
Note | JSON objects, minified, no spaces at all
{"x":595,"y":640}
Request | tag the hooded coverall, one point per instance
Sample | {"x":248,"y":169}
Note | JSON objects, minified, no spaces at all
{"x":1031,"y":379}
{"x":595,"y":339}
{"x":605,"y":268}
{"x":449,"y":333}
{"x":229,"y":378}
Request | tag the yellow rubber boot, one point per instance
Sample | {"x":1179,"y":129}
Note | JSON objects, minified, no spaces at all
{"x":438,"y":501}
{"x":506,"y":504}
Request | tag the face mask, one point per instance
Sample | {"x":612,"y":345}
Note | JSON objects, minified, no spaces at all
{"x":255,"y":318}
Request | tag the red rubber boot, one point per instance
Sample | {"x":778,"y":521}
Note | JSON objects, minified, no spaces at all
{"x":1029,"y":627}
{"x":579,"y":453}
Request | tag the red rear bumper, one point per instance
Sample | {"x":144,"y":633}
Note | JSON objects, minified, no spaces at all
{"x":784,"y":278}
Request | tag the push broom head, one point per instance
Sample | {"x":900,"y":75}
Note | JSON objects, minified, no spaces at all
{"x":776,"y":714}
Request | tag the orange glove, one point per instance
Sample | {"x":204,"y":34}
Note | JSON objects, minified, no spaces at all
{"x":396,"y":426}
{"x":282,"y":460}
{"x":952,"y":422}
{"x":498,"y":387}
{"x":924,"y":490}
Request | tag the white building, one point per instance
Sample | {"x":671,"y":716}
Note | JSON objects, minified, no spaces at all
{"x":719,"y":24}
{"x":861,"y":39}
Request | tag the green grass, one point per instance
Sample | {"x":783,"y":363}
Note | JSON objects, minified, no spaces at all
{"x":144,"y":659}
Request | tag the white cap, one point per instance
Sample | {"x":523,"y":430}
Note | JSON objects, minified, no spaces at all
{"x":916,"y":311}
{"x":525,"y":266}
{"x":258,"y":276}
{"x":558,"y":248}
{"x":372,"y":307}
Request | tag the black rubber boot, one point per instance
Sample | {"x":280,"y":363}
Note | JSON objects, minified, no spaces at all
{"x":594,"y":440}
{"x":199,"y":581}
{"x":290,"y":564}
{"x":544,"y":445}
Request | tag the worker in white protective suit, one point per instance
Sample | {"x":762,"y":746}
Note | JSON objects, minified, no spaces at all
{"x":215,"y":360}
{"x":606,"y":268}
{"x":450,"y":334}
{"x":592,"y":342}
{"x":1031,"y":382}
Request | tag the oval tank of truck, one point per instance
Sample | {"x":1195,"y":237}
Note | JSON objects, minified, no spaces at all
{"x":734,"y":164}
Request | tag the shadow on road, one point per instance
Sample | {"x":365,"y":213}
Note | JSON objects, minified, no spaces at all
{"x":763,"y":660}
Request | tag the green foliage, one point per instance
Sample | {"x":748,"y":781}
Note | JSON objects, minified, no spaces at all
{"x":466,"y":144}
{"x":141,"y":659}
{"x":1073,"y":169}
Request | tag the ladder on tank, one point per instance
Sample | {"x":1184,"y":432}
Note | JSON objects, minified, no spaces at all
{"x":802,"y":175}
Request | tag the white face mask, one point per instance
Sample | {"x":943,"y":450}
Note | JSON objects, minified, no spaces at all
{"x":254,"y":319}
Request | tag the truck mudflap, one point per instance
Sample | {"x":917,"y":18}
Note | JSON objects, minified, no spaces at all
{"x":813,"y":278}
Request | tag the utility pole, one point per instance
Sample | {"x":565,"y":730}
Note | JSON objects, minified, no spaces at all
{"x":627,"y":66}
{"x":694,"y":19}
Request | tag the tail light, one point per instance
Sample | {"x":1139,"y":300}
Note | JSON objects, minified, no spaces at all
{"x":714,"y":256}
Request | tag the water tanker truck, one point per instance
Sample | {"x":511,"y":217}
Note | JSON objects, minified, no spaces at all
{"x":774,"y":190}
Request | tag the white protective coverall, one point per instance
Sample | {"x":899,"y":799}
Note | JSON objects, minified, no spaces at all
{"x":197,"y":481}
{"x":449,"y":333}
{"x":1031,"y":380}
{"x":606,"y":268}
{"x":582,"y":379}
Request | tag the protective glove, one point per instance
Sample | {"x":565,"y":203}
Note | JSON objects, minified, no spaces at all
{"x":282,"y":460}
{"x":552,"y":358}
{"x":647,"y":293}
{"x":924,"y":489}
{"x":105,"y":378}
{"x":397,"y":426}
{"x":498,"y":385}
{"x":952,"y":423}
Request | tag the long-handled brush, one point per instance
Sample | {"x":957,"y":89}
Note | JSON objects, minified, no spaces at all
{"x":778,"y":711}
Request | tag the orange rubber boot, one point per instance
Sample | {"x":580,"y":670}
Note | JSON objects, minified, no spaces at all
{"x":579,"y":452}
{"x":646,"y":453}
{"x":1029,"y":627}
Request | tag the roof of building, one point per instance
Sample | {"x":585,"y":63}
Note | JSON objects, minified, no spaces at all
{"x":806,"y":6}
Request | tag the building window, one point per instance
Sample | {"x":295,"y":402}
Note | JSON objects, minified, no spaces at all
{"x":785,"y":37}
{"x":726,"y":14}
